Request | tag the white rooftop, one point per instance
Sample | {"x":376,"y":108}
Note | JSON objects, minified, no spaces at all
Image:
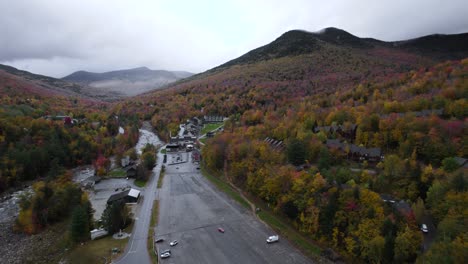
{"x":134,"y":193}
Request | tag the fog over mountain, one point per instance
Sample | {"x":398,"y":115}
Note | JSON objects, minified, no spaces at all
{"x":127,"y":82}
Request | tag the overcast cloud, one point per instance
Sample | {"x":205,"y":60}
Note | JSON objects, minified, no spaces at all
{"x":56,"y":37}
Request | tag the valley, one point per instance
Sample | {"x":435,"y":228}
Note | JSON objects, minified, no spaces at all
{"x":356,"y":144}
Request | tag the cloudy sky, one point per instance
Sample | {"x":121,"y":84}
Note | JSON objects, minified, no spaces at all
{"x":56,"y":37}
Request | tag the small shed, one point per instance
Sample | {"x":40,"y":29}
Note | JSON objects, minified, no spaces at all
{"x":131,"y":172}
{"x":125,"y":161}
{"x":97,"y":233}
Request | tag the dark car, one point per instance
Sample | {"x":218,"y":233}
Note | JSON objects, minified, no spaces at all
{"x":159,"y":240}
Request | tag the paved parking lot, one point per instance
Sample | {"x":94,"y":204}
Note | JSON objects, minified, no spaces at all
{"x":192,"y":210}
{"x":100,"y":193}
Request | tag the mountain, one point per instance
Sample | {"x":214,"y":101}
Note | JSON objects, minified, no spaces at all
{"x":296,"y":65}
{"x":14,"y":82}
{"x":127,"y":82}
{"x":297,"y":42}
{"x":328,"y":60}
{"x":309,"y":109}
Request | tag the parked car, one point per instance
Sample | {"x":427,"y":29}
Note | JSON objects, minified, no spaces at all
{"x":173,"y":243}
{"x":166,"y":251}
{"x":159,"y":240}
{"x":272,"y":239}
{"x":424,"y":228}
{"x":165,"y":255}
{"x":220,"y":229}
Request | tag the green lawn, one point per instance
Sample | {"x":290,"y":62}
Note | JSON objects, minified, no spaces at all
{"x":140,"y":183}
{"x":163,"y":151}
{"x":98,"y":251}
{"x":118,"y":173}
{"x":161,"y":178}
{"x":209,"y":127}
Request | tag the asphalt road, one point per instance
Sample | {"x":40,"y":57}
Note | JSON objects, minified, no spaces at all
{"x":136,"y":250}
{"x":191,"y":211}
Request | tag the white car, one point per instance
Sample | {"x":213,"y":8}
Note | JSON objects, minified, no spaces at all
{"x":272,"y":239}
{"x":165,"y":255}
{"x":424,"y":228}
{"x":173,"y":243}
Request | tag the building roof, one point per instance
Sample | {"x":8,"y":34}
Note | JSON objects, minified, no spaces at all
{"x":460,"y":161}
{"x":132,"y":167}
{"x":117,"y":196}
{"x":93,"y":179}
{"x":134,"y":193}
{"x":387,"y":198}
{"x":403,"y":207}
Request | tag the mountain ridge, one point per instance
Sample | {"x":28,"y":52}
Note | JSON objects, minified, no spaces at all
{"x":127,"y":81}
{"x":296,"y":42}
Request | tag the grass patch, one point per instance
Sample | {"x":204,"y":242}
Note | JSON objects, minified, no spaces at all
{"x":209,"y":127}
{"x":140,"y":183}
{"x":163,"y":150}
{"x":118,"y":173}
{"x":161,"y":177}
{"x":98,"y":251}
{"x":203,"y":140}
{"x":226,"y":188}
{"x":153,"y":223}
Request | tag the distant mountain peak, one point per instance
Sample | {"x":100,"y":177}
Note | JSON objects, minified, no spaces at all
{"x":143,"y":68}
{"x":127,"y":82}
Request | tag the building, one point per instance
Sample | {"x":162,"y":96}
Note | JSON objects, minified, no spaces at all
{"x":213,"y":119}
{"x":345,"y":131}
{"x":97,"y":233}
{"x":90,"y":181}
{"x":172,"y":147}
{"x":356,"y":152}
{"x":462,"y":162}
{"x":128,"y":196}
{"x":131,"y":172}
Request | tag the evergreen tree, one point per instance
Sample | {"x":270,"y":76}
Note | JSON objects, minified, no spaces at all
{"x":115,"y":217}
{"x":296,"y":152}
{"x":79,"y":225}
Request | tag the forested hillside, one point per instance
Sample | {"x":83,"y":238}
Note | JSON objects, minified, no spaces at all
{"x":337,"y":199}
{"x":41,"y":132}
{"x":373,"y":138}
{"x":356,"y":142}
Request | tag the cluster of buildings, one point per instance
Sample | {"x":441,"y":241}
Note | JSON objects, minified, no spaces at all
{"x":189,"y":132}
{"x":67,"y":120}
{"x":355,"y":152}
{"x":348,"y":132}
